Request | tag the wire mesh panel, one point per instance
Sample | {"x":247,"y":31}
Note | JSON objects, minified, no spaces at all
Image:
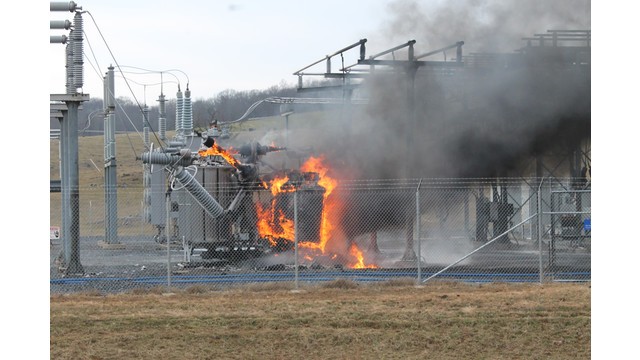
{"x":569,"y":235}
{"x":308,"y":230}
{"x":478,"y":230}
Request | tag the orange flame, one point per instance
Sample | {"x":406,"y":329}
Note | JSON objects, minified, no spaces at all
{"x":272,"y":226}
{"x":316,"y":165}
{"x":355,"y":252}
{"x":226,"y":154}
{"x":277,"y":183}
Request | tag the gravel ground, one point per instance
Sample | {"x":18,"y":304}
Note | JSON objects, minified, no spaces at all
{"x":142,"y":263}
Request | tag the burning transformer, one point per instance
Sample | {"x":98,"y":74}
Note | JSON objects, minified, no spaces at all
{"x":214,"y":201}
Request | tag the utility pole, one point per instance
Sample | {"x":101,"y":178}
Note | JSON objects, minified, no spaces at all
{"x":69,"y":136}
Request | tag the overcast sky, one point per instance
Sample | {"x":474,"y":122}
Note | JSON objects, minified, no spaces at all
{"x":218,"y":45}
{"x":255,"y":44}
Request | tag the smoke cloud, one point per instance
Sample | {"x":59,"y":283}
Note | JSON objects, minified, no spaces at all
{"x":484,"y":25}
{"x":475,"y":123}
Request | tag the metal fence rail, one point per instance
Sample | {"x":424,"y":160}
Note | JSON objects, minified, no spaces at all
{"x":416,"y":230}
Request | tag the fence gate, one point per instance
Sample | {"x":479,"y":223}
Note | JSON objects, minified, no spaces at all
{"x":569,"y":235}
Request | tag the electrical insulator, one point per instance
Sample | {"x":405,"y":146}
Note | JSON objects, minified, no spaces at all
{"x":179,"y":110}
{"x":78,"y":62}
{"x":57,"y":39}
{"x":60,"y":24}
{"x":162,"y":120}
{"x":187,"y":112}
{"x":193,"y":187}
{"x":64,"y":6}
{"x":145,"y":124}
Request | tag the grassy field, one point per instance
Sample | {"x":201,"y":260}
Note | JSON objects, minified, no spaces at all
{"x":336,"y":320}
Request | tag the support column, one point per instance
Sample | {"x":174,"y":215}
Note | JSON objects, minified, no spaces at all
{"x":110,"y":173}
{"x":70,"y":184}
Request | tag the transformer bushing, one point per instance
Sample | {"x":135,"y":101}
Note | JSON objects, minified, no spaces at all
{"x":179,"y":105}
{"x":145,"y":125}
{"x":193,"y":187}
{"x":162,"y":120}
{"x":76,"y":35}
{"x":178,"y":162}
{"x":187,"y":113}
{"x":69,"y":67}
{"x":159,"y":158}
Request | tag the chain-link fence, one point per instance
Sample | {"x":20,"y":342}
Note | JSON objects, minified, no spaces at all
{"x":455,"y":229}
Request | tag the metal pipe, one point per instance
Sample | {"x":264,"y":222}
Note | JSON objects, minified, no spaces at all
{"x":60,"y":24}
{"x":57,"y":39}
{"x":166,"y":235}
{"x":418,"y":232}
{"x":328,"y":57}
{"x":361,"y":42}
{"x":295,"y":232}
{"x":458,"y":44}
{"x":64,"y":6}
{"x":367,"y":276}
{"x":409,"y":43}
{"x":540,"y":230}
{"x":236,"y":201}
{"x":110,"y":174}
{"x":70,"y":190}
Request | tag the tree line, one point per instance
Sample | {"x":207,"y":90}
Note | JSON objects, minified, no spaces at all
{"x":228,"y":105}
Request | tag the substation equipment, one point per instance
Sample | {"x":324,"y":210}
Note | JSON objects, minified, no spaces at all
{"x":211,"y":203}
{"x":567,"y":52}
{"x":207,"y":201}
{"x":65,"y":108}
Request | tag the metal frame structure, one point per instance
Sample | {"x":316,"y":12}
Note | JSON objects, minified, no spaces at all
{"x":69,"y":133}
{"x":550,"y":48}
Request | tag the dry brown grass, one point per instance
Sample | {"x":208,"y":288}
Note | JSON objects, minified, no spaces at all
{"x":394,"y":321}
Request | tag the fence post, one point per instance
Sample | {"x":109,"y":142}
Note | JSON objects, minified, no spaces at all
{"x":166,"y":235}
{"x":418,"y":233}
{"x":539,"y":215}
{"x":90,"y":219}
{"x":295,"y":232}
{"x":142,"y":220}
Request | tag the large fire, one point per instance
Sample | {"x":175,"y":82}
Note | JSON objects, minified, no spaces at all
{"x":216,"y":149}
{"x":316,"y":165}
{"x":274,"y":225}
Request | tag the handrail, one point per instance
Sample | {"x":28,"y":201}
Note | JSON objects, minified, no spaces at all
{"x":328,"y":57}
